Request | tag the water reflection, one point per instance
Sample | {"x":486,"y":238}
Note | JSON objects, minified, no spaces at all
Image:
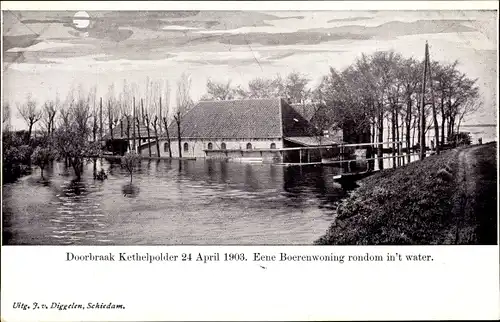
{"x":251,"y":182}
{"x":210,"y":170}
{"x":48,"y":171}
{"x":111,"y":167}
{"x":45,"y":182}
{"x":38,"y":180}
{"x":74,"y":188}
{"x":173,"y":202}
{"x":223,"y":172}
{"x":130,"y":190}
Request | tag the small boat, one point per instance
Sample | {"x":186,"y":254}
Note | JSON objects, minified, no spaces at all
{"x":354,"y":176}
{"x":248,"y":160}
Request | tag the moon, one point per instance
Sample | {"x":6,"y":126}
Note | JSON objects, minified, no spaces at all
{"x":81,"y":20}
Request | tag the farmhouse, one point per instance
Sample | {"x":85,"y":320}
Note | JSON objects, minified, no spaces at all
{"x":241,"y":129}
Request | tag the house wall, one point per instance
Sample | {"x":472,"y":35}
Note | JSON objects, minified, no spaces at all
{"x":196,"y":147}
{"x":144,"y":151}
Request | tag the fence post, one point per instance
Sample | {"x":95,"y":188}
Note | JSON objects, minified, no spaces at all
{"x":399,"y":154}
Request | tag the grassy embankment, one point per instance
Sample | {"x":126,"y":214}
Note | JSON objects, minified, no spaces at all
{"x":421,"y":203}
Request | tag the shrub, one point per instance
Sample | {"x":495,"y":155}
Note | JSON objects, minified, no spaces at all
{"x":445,"y":175}
{"x":130,"y":161}
{"x":41,"y":157}
{"x":461,"y":138}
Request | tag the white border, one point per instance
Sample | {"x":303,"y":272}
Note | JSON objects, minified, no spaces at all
{"x":462,"y":283}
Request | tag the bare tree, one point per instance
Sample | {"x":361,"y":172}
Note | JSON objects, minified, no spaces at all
{"x":469,"y":107}
{"x":148,"y":110}
{"x":30,"y":113}
{"x":184,"y":103}
{"x":83,"y":113}
{"x":455,"y":94}
{"x":156,"y":123}
{"x":153,"y":102}
{"x":130,"y":161}
{"x":409,"y":77}
{"x":92,"y":101}
{"x":126,"y":108}
{"x":65,"y":115}
{"x":50,"y":109}
{"x":112,"y":110}
{"x":166,"y":116}
{"x":433,"y":101}
{"x":443,"y":77}
{"x":6,"y":117}
{"x":141,"y":120}
{"x":464,"y":97}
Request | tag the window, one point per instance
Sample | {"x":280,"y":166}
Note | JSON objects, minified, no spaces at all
{"x":165,"y":147}
{"x":223,"y":146}
{"x":186,"y":147}
{"x":249,"y":146}
{"x":210,"y":146}
{"x":273,"y":145}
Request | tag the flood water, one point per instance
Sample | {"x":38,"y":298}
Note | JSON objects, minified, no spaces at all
{"x":172,"y":202}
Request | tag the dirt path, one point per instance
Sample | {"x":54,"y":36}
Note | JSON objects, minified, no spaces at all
{"x":475,"y":198}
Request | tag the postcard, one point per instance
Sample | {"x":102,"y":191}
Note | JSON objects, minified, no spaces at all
{"x":217,"y":160}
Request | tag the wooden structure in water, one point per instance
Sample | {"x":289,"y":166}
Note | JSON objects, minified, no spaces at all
{"x":354,"y":165}
{"x":347,"y":153}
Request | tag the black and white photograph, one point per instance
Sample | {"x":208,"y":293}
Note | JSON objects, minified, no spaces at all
{"x":248,"y":127}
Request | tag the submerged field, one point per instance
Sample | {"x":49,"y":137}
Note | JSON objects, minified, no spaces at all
{"x":445,"y":199}
{"x":171,"y":202}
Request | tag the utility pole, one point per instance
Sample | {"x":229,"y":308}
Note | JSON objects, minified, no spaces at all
{"x":133,"y":126}
{"x":422,"y":107}
{"x":434,"y":114}
{"x":100,"y":117}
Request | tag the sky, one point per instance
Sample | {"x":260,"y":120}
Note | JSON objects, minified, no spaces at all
{"x":47,"y":53}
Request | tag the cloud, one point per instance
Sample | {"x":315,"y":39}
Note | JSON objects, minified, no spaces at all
{"x":112,"y":33}
{"x":471,"y":40}
{"x":138,"y":56}
{"x":350,"y":19}
{"x":10,"y":42}
{"x":269,"y":35}
{"x":394,"y":29}
{"x":253,"y":29}
{"x":286,"y":39}
{"x":153,"y":35}
{"x":232,"y":58}
{"x":180,"y":28}
{"x":43,"y":46}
